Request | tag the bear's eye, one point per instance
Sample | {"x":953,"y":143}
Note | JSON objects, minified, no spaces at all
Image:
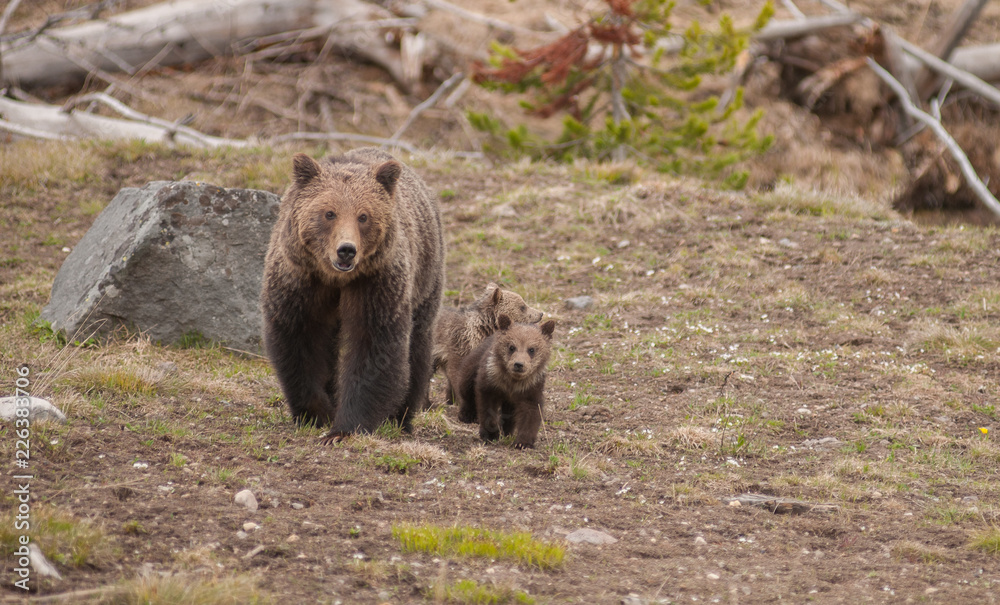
{"x":330,"y":215}
{"x":524,"y":308}
{"x":363,"y":218}
{"x":511,"y":348}
{"x":531,"y":350}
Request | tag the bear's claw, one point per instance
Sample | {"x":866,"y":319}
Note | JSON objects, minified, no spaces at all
{"x":333,"y":437}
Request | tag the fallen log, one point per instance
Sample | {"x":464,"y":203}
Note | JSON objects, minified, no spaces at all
{"x":53,"y":122}
{"x":186,"y":31}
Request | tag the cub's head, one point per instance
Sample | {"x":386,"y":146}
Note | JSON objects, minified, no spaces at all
{"x":341,"y":211}
{"x":522,"y":350}
{"x":496,"y":301}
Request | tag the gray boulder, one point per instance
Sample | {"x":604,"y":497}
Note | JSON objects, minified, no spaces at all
{"x":171,"y":259}
{"x":39,"y":410}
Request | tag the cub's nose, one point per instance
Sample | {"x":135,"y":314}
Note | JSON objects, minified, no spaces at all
{"x":518,"y":366}
{"x":346,"y":252}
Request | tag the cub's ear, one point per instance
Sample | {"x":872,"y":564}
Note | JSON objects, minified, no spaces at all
{"x":388,"y":174}
{"x":503,"y":322}
{"x":548,"y":327}
{"x":304,"y":168}
{"x":497,"y":295}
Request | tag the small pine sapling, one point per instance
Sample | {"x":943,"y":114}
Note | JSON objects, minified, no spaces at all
{"x":622,"y":96}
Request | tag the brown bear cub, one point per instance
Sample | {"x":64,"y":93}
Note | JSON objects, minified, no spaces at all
{"x":352,"y":285}
{"x":502,"y":382}
{"x":458,"y":331}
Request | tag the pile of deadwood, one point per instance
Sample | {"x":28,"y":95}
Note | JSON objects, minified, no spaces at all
{"x":935,"y":103}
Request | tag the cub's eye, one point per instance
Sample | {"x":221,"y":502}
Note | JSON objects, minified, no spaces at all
{"x":363,"y":218}
{"x":524,"y":308}
{"x":531,"y":350}
{"x":330,"y":215}
{"x":511,"y":348}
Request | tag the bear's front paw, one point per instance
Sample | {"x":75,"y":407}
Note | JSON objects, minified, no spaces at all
{"x":489,"y":435}
{"x":524,"y":446}
{"x":467,"y":416}
{"x":333,"y":437}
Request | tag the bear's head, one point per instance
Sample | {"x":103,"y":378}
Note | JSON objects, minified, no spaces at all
{"x":342,"y":212}
{"x":522,"y":350}
{"x":496,"y":301}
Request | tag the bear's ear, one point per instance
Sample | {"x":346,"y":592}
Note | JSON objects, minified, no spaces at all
{"x":304,"y":168}
{"x":548,"y":327}
{"x":387,"y":174}
{"x":497,"y":295}
{"x":503,"y":322}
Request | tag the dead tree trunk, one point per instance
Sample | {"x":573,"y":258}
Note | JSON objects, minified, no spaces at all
{"x":943,"y":46}
{"x":177,"y":32}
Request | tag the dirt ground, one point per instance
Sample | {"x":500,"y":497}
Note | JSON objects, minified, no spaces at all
{"x":729,"y":333}
{"x":805,"y":344}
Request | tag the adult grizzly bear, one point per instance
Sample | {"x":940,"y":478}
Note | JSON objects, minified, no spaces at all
{"x":352,"y":285}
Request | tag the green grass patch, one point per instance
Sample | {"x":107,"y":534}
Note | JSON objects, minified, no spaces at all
{"x":114,"y":380}
{"x":988,"y":541}
{"x":475,"y":542}
{"x":62,"y":538}
{"x":400,"y":463}
{"x":470,"y":591}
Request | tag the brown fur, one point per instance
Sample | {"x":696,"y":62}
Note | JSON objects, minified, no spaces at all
{"x":502,"y":382}
{"x":352,"y":285}
{"x":458,"y":331}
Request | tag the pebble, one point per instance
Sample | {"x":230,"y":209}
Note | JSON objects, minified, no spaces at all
{"x":803,"y":411}
{"x":580,"y":303}
{"x":699,"y":541}
{"x":246,"y":498}
{"x":292,"y":538}
{"x":242,"y":535}
{"x":585,"y":535}
{"x":298,"y":506}
{"x":712,"y":576}
{"x":787,"y":243}
{"x":624,"y":243}
{"x":250,"y":526}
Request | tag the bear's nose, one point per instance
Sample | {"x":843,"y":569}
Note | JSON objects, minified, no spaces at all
{"x":518,"y":366}
{"x":346,"y":252}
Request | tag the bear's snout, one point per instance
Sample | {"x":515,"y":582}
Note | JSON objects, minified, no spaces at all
{"x":345,"y":256}
{"x":518,"y":367}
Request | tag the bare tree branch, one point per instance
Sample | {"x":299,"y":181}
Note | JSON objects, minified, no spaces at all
{"x":977,"y":185}
{"x":446,"y":86}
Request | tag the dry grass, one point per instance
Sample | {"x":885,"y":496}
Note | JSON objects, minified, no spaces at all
{"x":628,"y":444}
{"x":817,"y":203}
{"x":692,"y":436}
{"x":972,"y":341}
{"x":915,"y":552}
{"x":190,"y":590}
